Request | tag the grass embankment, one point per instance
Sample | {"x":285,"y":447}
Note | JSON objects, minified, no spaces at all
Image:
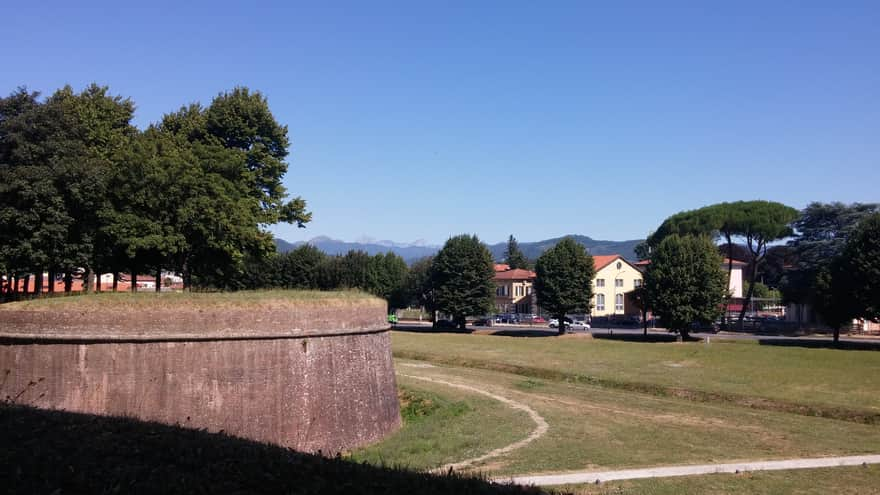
{"x":49,"y":452}
{"x":813,"y":382}
{"x":148,"y":299}
{"x":600,"y":428}
{"x":442,"y":425}
{"x":838,"y":481}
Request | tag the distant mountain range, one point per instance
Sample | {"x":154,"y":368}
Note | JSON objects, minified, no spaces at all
{"x":418,"y":249}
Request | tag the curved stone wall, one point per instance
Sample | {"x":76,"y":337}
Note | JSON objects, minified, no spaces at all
{"x":309,"y":376}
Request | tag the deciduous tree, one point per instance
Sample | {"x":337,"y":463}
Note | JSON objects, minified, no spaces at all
{"x":564,"y":281}
{"x":462,"y":273}
{"x":686,"y":282}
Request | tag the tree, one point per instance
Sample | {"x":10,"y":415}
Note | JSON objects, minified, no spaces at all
{"x":419,"y":286}
{"x":564,"y":281}
{"x":686,"y":282}
{"x":855,"y":283}
{"x":514,"y":256}
{"x":298,"y":269}
{"x":462,"y":273}
{"x":821,"y":234}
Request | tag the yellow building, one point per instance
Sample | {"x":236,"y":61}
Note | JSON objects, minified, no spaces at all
{"x":513,"y":290}
{"x":615,"y":279}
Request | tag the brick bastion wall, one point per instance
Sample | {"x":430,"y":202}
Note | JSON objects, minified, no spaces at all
{"x":311,"y":376}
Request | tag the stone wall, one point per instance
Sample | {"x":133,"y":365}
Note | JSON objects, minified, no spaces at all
{"x":316,"y":378}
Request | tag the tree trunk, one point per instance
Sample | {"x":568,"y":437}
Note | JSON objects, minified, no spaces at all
{"x":15,"y":280}
{"x":158,"y":279}
{"x":645,"y":321}
{"x":38,"y":282}
{"x":186,"y":275}
{"x":729,"y":275}
{"x":836,"y":335}
{"x":752,"y":276}
{"x":97,"y":281}
{"x":462,"y":322}
{"x":51,"y":281}
{"x":27,"y":284}
{"x":684,"y":335}
{"x":68,"y":282}
{"x":87,"y":280}
{"x":561,"y":320}
{"x":115,"y":281}
{"x":134,"y":281}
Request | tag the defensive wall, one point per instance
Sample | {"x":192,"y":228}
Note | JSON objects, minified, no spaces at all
{"x":309,"y":375}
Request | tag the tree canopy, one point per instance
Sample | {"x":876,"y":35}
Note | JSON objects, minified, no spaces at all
{"x":564,"y":282}
{"x":514,"y":256}
{"x":686,"y":282}
{"x":462,"y":273}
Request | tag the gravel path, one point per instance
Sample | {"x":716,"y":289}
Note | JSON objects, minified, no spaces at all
{"x":669,"y":471}
{"x":540,"y":424}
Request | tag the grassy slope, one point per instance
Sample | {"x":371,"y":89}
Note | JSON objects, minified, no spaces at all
{"x":820,"y":377}
{"x":447,"y":425}
{"x":838,"y":481}
{"x":599,"y":428}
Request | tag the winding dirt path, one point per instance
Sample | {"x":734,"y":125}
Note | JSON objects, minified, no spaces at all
{"x":539,"y":431}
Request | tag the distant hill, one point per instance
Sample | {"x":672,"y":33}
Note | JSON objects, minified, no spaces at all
{"x":415,"y":251}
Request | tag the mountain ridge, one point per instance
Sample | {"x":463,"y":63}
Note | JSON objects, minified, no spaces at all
{"x":413,"y":251}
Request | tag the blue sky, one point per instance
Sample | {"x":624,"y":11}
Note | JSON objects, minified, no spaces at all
{"x":421,"y":120}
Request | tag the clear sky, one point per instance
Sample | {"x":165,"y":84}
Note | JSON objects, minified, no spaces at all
{"x":421,"y":120}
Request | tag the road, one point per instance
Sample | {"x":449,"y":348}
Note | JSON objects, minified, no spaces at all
{"x":655,"y":335}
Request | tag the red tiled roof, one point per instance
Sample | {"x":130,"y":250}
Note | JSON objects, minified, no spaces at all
{"x":515,"y":274}
{"x":601,"y":261}
{"x":501,"y":267}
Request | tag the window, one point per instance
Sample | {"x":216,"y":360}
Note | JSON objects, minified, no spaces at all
{"x":637,"y":283}
{"x":519,"y":290}
{"x":600,"y":282}
{"x":618,"y":282}
{"x":600,"y":302}
{"x":618,"y":302}
{"x":529,"y":290}
{"x":619,"y":265}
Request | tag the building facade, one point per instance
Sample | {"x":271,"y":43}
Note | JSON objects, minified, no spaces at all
{"x":613,"y":284}
{"x":514,"y":292}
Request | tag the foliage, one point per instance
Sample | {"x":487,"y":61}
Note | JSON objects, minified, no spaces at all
{"x":821,"y":231}
{"x":855,"y":275}
{"x":419,"y":285}
{"x":462,"y":275}
{"x":514,"y":256}
{"x":685,"y":282}
{"x":564,"y":281}
{"x":83,"y":190}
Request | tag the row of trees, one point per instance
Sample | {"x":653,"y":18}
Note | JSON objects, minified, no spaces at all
{"x":82,"y":190}
{"x":831,"y":259}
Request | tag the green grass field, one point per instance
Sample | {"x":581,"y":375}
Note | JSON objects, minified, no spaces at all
{"x":845,"y":383}
{"x":837,"y":481}
{"x":614,"y":405}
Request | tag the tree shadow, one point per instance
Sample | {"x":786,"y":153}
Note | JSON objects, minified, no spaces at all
{"x":428,"y":329}
{"x":60,"y":452}
{"x":638,"y":337}
{"x":526,"y":333}
{"x":848,"y":345}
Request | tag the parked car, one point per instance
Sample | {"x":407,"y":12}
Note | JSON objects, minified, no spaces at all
{"x":579,"y":325}
{"x":554,"y":322}
{"x":444,"y":324}
{"x":483,"y":322}
{"x":538,"y":319}
{"x":506,"y":318}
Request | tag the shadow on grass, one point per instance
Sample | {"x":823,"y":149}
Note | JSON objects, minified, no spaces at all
{"x":46,"y":452}
{"x":526,"y":333}
{"x":427,"y":329}
{"x":638,"y":337}
{"x":848,"y":345}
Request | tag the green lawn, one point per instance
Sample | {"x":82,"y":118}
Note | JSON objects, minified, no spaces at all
{"x":443,"y":425}
{"x":833,"y":383}
{"x":597,"y":428}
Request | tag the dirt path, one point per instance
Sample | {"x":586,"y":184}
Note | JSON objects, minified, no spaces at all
{"x":669,"y":471}
{"x":540,"y":424}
